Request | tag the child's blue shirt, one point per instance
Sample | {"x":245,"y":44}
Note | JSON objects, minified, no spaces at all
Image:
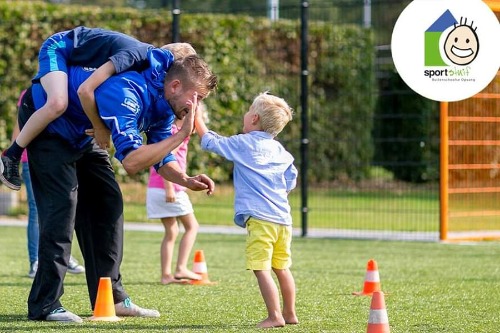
{"x":263,"y":175}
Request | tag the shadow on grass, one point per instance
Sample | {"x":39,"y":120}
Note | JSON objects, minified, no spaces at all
{"x":27,"y":281}
{"x":30,"y":281}
{"x":26,"y":284}
{"x":20,"y":323}
{"x":12,"y":318}
{"x":139,"y":283}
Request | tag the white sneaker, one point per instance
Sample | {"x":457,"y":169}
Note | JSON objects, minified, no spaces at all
{"x":127,"y":308}
{"x":74,"y":267}
{"x":33,"y":269}
{"x":63,"y":315}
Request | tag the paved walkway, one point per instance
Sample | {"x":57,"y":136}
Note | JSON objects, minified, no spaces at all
{"x":312,"y":233}
{"x":136,"y":226}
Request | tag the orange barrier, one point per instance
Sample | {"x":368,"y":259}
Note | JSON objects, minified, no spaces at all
{"x":378,"y":321}
{"x":467,"y":126}
{"x":372,"y":280}
{"x":475,"y":166}
{"x":104,"y":309}
{"x":474,"y":190}
{"x":474,"y":142}
{"x":200,"y":267}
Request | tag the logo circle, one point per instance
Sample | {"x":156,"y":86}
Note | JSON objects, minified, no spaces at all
{"x":446,"y":50}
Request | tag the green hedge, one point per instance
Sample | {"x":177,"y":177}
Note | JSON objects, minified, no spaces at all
{"x":248,"y":54}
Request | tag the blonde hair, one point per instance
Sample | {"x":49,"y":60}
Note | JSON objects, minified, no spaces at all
{"x":180,"y":50}
{"x":193,"y":72}
{"x":274,"y":112}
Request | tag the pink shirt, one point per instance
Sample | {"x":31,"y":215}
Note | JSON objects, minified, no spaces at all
{"x":24,"y":156}
{"x":157,"y":181}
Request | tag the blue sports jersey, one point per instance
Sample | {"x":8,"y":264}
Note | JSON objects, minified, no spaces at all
{"x":130,"y":103}
{"x":91,"y":47}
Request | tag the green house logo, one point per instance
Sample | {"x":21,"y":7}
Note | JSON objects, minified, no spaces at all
{"x":460,"y":46}
{"x":435,"y":48}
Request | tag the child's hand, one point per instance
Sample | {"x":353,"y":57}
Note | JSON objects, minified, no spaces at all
{"x":188,"y":125}
{"x":169,"y":192}
{"x":169,"y":197}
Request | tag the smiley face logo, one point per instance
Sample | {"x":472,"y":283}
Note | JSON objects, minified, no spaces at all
{"x":462,"y":45}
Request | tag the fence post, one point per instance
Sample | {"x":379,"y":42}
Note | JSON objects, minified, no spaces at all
{"x":273,"y":9}
{"x":367,"y":13}
{"x":443,"y":172}
{"x":176,"y":13}
{"x":304,"y":116}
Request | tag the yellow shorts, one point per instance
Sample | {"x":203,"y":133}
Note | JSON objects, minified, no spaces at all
{"x":268,"y":245}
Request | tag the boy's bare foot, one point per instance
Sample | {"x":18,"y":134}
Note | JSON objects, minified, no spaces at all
{"x":187,"y":275}
{"x":270,"y":323}
{"x":170,"y":279}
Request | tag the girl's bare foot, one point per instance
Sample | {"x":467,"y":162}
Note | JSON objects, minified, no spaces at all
{"x":170,"y":279}
{"x":187,"y":275}
{"x":270,"y":323}
{"x":290,"y":318}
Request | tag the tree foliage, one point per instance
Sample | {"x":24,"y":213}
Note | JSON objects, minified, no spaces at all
{"x":249,"y":55}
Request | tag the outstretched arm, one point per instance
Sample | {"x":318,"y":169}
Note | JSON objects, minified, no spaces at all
{"x":86,"y":94}
{"x":150,"y":154}
{"x":172,"y":172}
{"x":199,"y":124}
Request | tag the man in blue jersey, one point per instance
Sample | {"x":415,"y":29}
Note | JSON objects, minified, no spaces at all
{"x":73,"y":180}
{"x":110,"y":51}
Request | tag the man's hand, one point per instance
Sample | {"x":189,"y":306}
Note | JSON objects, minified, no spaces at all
{"x":101,"y":136}
{"x":200,"y":183}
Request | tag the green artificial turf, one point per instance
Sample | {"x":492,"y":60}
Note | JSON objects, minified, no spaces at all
{"x":376,"y":210}
{"x":429,"y":287}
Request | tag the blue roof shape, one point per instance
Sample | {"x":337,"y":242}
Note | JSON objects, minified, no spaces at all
{"x":443,"y":22}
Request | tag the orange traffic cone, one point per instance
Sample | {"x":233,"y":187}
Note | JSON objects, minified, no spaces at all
{"x":372,"y":280}
{"x":200,"y":267}
{"x":104,"y":309}
{"x":378,"y":322}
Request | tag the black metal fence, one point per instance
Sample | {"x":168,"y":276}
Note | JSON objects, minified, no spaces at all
{"x":399,"y":199}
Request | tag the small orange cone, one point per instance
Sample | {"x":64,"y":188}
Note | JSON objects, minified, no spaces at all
{"x":378,"y":322}
{"x":200,"y":267}
{"x":104,"y":309}
{"x":372,"y":280}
